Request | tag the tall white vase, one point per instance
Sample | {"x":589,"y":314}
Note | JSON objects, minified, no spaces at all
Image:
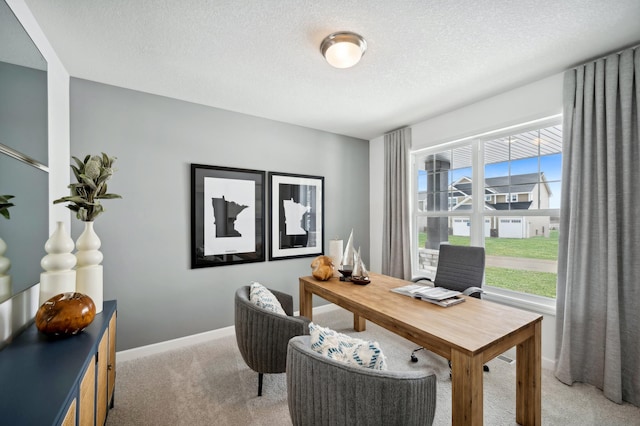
{"x":5,"y":278}
{"x":59,"y":276}
{"x":89,"y":270}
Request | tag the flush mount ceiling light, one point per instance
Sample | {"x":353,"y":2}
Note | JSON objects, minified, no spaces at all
{"x":343,"y":49}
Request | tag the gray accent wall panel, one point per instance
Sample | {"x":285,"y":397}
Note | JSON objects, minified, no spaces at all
{"x":23,"y":110}
{"x":146,"y":235}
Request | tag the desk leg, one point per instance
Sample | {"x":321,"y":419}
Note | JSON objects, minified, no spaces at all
{"x":306,"y":302}
{"x":528,"y":379}
{"x":359,"y":323}
{"x":466,"y":389}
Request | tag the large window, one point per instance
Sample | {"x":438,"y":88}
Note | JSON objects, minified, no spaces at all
{"x":500,"y":191}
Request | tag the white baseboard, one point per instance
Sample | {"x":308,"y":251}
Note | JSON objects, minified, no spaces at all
{"x":181,"y":342}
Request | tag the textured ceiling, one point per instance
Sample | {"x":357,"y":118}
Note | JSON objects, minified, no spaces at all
{"x":262,"y":57}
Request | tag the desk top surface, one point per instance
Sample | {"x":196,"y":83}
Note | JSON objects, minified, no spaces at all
{"x":471,"y":326}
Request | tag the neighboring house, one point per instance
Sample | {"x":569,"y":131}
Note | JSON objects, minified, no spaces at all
{"x":528,"y":191}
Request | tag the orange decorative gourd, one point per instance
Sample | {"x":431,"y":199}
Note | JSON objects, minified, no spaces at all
{"x":65,"y":314}
{"x":322,"y":268}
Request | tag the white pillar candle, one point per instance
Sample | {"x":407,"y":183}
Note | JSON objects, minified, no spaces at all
{"x":335,"y":251}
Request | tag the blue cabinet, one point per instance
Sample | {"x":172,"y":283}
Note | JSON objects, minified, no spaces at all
{"x":56,"y":381}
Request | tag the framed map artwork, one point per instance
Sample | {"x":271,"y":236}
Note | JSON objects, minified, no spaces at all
{"x":227,"y":216}
{"x":296,"y":215}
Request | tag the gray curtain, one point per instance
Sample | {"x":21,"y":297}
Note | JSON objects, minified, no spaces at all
{"x":396,"y":247}
{"x":598,"y":301}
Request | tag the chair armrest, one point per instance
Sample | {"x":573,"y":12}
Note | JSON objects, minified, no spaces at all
{"x":473,"y":291}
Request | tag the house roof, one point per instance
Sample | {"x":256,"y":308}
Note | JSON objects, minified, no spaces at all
{"x":514,"y":184}
{"x":519,"y":205}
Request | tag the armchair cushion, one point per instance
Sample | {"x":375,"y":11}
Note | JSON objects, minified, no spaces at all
{"x":350,"y":350}
{"x":263,"y":298}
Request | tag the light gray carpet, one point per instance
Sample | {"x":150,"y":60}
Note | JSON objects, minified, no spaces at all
{"x":209,"y":384}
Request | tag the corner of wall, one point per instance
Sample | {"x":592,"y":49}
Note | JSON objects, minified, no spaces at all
{"x":58,"y":113}
{"x":376,"y":189}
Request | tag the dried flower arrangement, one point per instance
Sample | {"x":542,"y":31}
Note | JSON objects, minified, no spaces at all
{"x":92,"y":175}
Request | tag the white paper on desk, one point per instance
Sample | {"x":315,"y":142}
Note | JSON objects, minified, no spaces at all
{"x":407,"y":290}
{"x":436,"y":293}
{"x":426,"y":292}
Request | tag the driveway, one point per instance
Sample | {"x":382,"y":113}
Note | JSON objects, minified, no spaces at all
{"x":538,"y":265}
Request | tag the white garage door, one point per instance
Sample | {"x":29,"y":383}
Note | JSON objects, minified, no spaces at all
{"x":511,"y":227}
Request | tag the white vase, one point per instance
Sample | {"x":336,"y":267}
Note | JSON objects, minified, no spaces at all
{"x":5,"y":278}
{"x":89,"y":269}
{"x":59,"y":276}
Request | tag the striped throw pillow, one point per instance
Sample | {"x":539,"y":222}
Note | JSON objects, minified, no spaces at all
{"x":350,"y":350}
{"x":263,"y":298}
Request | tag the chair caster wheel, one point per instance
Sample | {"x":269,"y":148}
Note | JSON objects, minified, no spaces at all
{"x":485,"y":368}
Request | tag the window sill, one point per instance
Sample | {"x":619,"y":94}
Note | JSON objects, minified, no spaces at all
{"x":530,"y":302}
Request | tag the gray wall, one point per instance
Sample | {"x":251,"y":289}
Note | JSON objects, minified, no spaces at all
{"x":146,"y":235}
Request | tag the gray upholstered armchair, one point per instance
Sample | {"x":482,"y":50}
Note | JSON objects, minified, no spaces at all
{"x":262,"y":335}
{"x":322,"y":391}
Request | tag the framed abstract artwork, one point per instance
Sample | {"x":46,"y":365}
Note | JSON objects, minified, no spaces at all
{"x":296,"y":215}
{"x":227,"y":216}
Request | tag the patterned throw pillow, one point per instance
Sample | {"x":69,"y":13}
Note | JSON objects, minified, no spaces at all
{"x":351,"y":350}
{"x":263,"y":298}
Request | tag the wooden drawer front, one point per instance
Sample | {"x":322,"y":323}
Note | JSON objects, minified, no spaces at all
{"x":88,"y":395}
{"x":101,"y":400}
{"x":111,"y":367}
{"x":70,"y":417}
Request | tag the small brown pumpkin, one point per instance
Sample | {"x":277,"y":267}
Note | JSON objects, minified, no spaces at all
{"x":65,"y":314}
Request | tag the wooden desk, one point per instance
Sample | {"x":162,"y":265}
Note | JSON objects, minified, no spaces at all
{"x":469,"y":334}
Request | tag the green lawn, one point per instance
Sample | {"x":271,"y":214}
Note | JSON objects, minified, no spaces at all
{"x":539,"y":283}
{"x":532,"y":248}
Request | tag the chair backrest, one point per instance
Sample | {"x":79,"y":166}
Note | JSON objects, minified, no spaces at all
{"x":460,"y":267}
{"x":262,"y":335}
{"x":323,"y":391}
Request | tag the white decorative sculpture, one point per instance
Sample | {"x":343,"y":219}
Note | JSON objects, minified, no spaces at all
{"x":59,"y":276}
{"x":89,"y":270}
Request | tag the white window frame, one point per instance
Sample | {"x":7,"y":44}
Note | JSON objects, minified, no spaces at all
{"x":478,"y":213}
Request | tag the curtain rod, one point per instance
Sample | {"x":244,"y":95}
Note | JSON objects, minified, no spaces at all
{"x":618,"y":52}
{"x":399,"y":128}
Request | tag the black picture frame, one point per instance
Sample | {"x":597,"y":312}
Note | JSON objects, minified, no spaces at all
{"x":237,"y":199}
{"x":304,"y":195}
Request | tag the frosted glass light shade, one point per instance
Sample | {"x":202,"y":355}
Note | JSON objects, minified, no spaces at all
{"x":343,"y":49}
